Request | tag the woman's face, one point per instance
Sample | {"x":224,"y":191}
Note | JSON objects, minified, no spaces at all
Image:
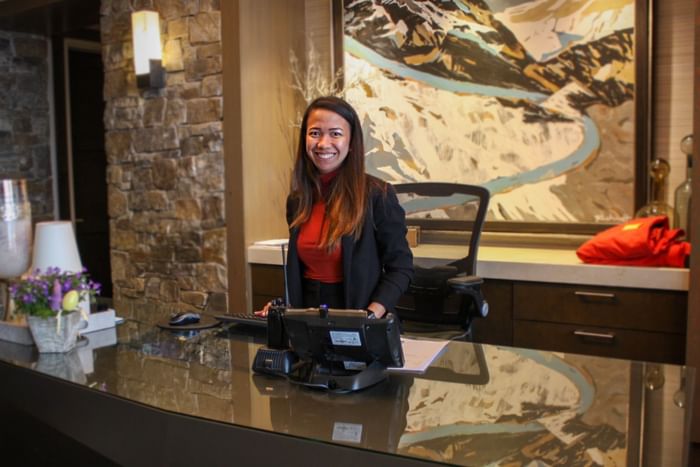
{"x":327,"y":139}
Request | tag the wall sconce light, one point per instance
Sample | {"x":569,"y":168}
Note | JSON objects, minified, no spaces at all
{"x":148,"y":53}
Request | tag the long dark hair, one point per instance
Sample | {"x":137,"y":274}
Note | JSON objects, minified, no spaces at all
{"x":346,"y":204}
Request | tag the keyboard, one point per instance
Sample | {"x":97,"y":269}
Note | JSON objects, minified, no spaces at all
{"x":243,"y":318}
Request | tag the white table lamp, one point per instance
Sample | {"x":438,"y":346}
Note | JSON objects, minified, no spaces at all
{"x":55,"y":246}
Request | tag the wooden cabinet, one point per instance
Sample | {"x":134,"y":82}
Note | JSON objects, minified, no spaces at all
{"x":637,"y":324}
{"x":640,"y":309}
{"x":497,"y":327}
{"x":267,"y":283}
{"x":603,"y":341}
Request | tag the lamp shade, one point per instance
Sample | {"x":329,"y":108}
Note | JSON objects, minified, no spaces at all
{"x":145,"y":27}
{"x":55,"y":246}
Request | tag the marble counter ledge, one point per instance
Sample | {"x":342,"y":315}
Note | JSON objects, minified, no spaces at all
{"x":530,"y":264}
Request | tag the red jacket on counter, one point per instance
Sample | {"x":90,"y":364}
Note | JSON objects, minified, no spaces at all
{"x":644,"y":241}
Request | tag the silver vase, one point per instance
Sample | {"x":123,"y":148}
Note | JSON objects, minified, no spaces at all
{"x":48,"y":339}
{"x":15,"y":228}
{"x":15,"y":235}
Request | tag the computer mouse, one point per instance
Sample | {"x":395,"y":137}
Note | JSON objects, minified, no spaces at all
{"x":184,"y":317}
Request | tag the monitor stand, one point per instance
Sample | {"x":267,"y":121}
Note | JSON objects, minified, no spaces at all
{"x":318,"y":376}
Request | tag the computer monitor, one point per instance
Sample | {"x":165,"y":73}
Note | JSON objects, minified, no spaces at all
{"x":342,"y":350}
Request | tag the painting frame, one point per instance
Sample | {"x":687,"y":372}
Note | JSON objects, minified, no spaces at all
{"x":643,"y":125}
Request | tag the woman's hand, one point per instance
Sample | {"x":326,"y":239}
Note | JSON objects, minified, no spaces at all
{"x":265,"y":310}
{"x":377,"y":309}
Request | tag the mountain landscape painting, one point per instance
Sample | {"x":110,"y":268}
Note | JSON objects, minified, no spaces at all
{"x":533,"y":99}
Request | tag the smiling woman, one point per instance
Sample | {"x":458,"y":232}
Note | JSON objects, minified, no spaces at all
{"x":347,"y":246}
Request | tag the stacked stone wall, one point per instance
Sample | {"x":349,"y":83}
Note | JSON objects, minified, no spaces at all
{"x":165,"y":163}
{"x":24,"y":117}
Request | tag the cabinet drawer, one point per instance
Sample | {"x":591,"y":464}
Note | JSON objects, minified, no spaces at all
{"x":616,"y":343}
{"x":640,"y":309}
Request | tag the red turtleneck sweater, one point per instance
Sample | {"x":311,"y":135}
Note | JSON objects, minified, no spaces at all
{"x":318,"y":263}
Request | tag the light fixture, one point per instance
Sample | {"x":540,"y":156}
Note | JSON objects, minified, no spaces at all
{"x":148,"y":53}
{"x":55,"y":246}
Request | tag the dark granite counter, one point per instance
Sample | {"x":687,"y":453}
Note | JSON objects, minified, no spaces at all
{"x":174,"y":399}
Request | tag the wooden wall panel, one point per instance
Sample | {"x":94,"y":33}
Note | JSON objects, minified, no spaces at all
{"x":233,"y":155}
{"x":271,"y":28}
{"x":693,"y":332}
{"x":318,"y":21}
{"x":673,"y":84}
{"x":258,"y":110}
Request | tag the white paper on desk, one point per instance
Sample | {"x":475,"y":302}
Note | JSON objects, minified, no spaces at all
{"x":274,"y":242}
{"x":418,"y":354}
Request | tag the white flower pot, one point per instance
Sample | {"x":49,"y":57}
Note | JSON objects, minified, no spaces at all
{"x":49,"y":338}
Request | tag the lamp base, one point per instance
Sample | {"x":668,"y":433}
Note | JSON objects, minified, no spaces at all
{"x":155,"y":79}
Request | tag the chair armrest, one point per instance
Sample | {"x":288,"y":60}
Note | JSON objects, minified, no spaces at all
{"x":464,"y":281}
{"x":471,"y":285}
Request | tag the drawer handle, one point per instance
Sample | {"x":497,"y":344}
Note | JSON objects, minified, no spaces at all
{"x":610,"y":296}
{"x":603,"y":336}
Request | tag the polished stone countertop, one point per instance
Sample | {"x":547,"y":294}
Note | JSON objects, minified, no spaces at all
{"x":555,"y":265}
{"x":476,"y":405}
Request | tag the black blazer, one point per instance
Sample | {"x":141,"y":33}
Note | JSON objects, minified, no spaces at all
{"x":377,"y":267}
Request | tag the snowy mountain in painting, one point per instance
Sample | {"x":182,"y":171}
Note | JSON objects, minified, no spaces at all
{"x":451,"y":91}
{"x":451,"y":39}
{"x":563,"y":23}
{"x":411,"y":142}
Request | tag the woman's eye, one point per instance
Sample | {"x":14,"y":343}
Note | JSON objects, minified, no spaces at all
{"x":336,"y":134}
{"x":314,"y":133}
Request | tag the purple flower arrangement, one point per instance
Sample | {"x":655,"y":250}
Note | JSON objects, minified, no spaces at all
{"x":47,"y":293}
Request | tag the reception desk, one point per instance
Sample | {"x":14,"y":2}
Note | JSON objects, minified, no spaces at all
{"x":160,"y":398}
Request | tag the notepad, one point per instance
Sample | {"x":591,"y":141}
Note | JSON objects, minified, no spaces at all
{"x":100,"y":320}
{"x":418,"y":354}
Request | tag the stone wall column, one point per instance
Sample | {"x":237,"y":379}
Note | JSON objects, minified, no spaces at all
{"x":165,"y":163}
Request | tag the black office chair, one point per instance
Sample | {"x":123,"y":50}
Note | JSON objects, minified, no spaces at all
{"x":444,"y":296}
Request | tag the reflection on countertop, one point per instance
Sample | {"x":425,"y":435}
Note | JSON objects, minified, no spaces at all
{"x":476,"y":405}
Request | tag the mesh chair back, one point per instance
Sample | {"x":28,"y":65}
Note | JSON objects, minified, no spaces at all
{"x":435,"y":206}
{"x":447,"y":207}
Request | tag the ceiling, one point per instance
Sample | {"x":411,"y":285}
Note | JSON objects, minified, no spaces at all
{"x":49,"y":17}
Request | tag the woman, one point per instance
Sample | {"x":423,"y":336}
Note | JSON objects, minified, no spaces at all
{"x":347,"y":231}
